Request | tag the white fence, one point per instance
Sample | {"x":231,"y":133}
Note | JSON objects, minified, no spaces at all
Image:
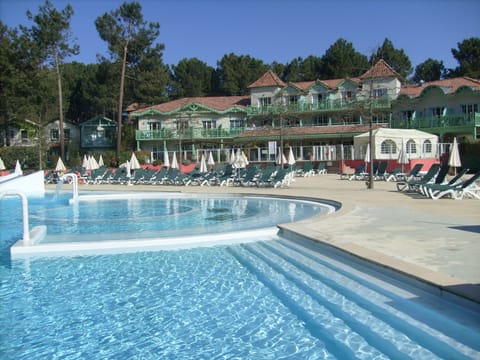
{"x":324,"y":153}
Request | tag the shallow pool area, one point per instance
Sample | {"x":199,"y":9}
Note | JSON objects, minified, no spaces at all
{"x":262,"y":296}
{"x":115,"y":221}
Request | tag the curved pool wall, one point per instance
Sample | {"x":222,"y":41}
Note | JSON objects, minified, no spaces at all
{"x":244,"y":229}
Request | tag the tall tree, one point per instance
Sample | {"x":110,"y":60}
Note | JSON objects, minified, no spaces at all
{"x":341,"y":60}
{"x":129,"y":37}
{"x":429,"y":70}
{"x":192,"y":77}
{"x":468,"y":57}
{"x":396,"y":58}
{"x":148,"y":80}
{"x":312,"y":68}
{"x":293,"y":70}
{"x":236,"y":72}
{"x":53,"y":39}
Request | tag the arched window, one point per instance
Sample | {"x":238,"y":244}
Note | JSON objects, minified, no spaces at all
{"x":427,"y":147}
{"x":411,"y":147}
{"x":388,"y":147}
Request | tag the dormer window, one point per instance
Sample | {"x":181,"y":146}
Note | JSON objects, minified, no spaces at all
{"x":318,"y":98}
{"x":347,"y":95}
{"x":378,"y":93}
{"x":265,"y":101}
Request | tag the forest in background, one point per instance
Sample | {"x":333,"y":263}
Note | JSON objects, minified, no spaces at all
{"x":32,"y":59}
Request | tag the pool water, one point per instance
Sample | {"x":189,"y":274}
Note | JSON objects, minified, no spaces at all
{"x":274,"y":298}
{"x":145,"y":215}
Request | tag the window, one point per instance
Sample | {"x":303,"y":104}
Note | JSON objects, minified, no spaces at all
{"x":24,"y":134}
{"x":380,"y":119}
{"x":265,"y":101}
{"x":411,"y":147}
{"x":154,"y":125}
{"x":388,"y":147}
{"x":377,"y":93}
{"x":469,"y":109}
{"x":157,"y":153}
{"x":209,"y":124}
{"x":54,"y":135}
{"x":237,"y":123}
{"x":427,"y":147}
{"x":318,"y":98}
{"x":407,"y":115}
{"x":292,"y":99}
{"x":321,"y":120}
{"x":347,"y":95}
{"x":437,"y":111}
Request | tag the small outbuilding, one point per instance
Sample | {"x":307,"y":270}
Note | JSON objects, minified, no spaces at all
{"x":388,"y":143}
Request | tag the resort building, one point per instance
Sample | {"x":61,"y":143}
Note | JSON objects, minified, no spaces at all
{"x":318,"y":119}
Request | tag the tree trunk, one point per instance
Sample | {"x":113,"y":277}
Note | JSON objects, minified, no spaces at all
{"x":120,"y":100}
{"x":60,"y":108}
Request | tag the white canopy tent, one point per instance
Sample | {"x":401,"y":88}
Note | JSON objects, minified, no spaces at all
{"x":387,"y":144}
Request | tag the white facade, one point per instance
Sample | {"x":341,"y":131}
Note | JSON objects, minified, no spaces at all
{"x":389,"y":142}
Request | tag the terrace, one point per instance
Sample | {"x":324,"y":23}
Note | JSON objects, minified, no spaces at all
{"x":441,"y":124}
{"x":326,"y":105}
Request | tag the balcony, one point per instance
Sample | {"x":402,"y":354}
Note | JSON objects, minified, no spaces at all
{"x":187,"y":134}
{"x":454,"y":122}
{"x":327,"y":105}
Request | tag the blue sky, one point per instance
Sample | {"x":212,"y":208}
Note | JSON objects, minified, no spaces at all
{"x":278,"y":30}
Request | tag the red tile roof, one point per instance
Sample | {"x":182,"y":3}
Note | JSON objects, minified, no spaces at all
{"x":449,"y":86}
{"x":268,"y":79}
{"x":380,"y":70}
{"x":219,"y":103}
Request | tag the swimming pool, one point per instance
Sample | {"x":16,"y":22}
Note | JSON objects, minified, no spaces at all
{"x":116,"y":222}
{"x":270,"y":299}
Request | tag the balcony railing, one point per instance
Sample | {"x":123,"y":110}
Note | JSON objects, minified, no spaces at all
{"x":438,"y":122}
{"x":188,"y":133}
{"x":327,"y":105}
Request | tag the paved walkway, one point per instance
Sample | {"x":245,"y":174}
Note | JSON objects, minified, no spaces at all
{"x":434,"y":240}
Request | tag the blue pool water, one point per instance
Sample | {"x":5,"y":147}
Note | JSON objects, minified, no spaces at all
{"x":272,"y":299}
{"x":142,"y":215}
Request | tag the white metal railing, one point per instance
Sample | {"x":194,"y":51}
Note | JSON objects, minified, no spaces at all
{"x":302,"y":153}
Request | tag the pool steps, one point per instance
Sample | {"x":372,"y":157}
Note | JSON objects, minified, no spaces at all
{"x":304,"y":281}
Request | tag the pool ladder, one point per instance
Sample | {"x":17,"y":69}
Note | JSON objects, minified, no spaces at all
{"x":74,"y":179}
{"x":26,"y":230}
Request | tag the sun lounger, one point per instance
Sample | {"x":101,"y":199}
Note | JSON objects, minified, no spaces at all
{"x":439,"y":178}
{"x":381,"y":171}
{"x":321,"y":168}
{"x":457,"y":191}
{"x":392,"y":176}
{"x":359,"y":173}
{"x":413,"y":185}
{"x":411,"y":175}
{"x":455,"y":180}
